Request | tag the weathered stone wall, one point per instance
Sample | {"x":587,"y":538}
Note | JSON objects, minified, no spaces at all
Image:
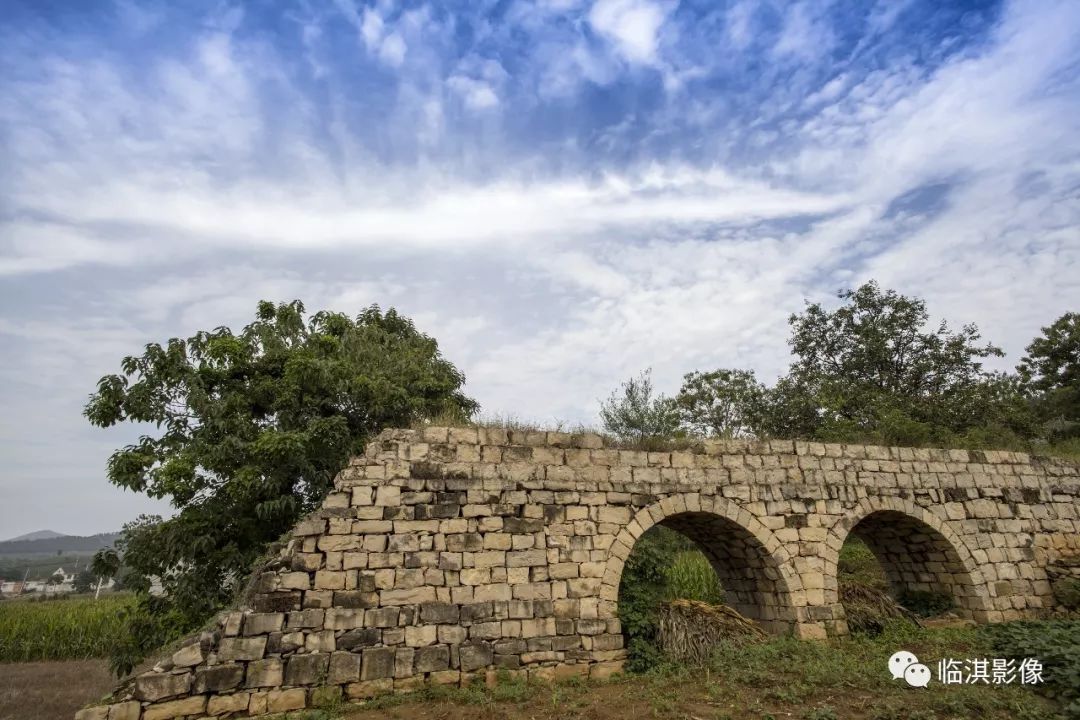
{"x":444,"y":555}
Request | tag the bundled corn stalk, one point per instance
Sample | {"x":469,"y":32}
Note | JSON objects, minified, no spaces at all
{"x":868,"y":608}
{"x":689,"y":630}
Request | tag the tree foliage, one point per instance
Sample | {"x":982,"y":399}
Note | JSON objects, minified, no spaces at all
{"x":84,"y":581}
{"x":1051,"y":373}
{"x":251,"y":429}
{"x":634,"y":413}
{"x":721,"y":403}
{"x":873,"y":369}
{"x":106,"y":563}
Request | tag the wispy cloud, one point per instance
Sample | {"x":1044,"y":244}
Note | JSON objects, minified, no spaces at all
{"x":563,"y":192}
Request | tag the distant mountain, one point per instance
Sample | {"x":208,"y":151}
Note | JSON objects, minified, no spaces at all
{"x":55,"y":543}
{"x":38,"y":535}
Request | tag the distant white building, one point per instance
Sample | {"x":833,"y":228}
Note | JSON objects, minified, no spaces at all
{"x":60,"y":582}
{"x":11,"y":587}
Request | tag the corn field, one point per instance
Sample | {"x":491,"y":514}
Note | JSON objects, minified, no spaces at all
{"x":691,"y":577}
{"x":64,"y":629}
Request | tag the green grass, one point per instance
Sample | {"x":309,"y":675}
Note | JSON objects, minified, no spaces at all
{"x":858,"y":564}
{"x":796,"y":672}
{"x":61,"y":629}
{"x":1067,"y":449}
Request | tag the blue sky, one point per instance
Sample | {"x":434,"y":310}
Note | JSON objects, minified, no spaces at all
{"x":563,"y":192}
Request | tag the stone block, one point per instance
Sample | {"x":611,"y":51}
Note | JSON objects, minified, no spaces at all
{"x":344,"y":668}
{"x":320,"y":642}
{"x":431,"y":659}
{"x":360,"y":638}
{"x":369,"y":688}
{"x":151,"y":687}
{"x":377,"y":663}
{"x":245,"y":649}
{"x":388,"y":496}
{"x":217,"y":678}
{"x":439,"y":613}
{"x":343,"y":619}
{"x":413,"y":596}
{"x":278,"y":701}
{"x":294,"y":581}
{"x":224,"y":704}
{"x":264,"y":673}
{"x":325,"y":696}
{"x":473,"y":656}
{"x":188,"y":656}
{"x":445,"y":677}
{"x":306,"y":669}
{"x":263,"y":623}
{"x":175,"y":708}
{"x":125,"y":711}
{"x":99,"y":712}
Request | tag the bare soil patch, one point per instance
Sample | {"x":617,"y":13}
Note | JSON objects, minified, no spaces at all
{"x":51,"y":690}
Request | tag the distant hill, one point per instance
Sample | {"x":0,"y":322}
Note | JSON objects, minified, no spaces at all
{"x":54,"y":543}
{"x":37,"y":535}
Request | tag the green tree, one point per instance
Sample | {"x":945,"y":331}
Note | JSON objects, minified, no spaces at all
{"x":1050,"y":372}
{"x":873,"y":370}
{"x":634,"y":414}
{"x":251,"y":430}
{"x":722,"y":403}
{"x":105,"y":564}
{"x":84,"y":581}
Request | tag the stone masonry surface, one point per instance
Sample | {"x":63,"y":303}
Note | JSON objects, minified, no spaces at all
{"x":445,"y":555}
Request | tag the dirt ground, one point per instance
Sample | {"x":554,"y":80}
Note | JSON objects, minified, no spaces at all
{"x":51,"y":690}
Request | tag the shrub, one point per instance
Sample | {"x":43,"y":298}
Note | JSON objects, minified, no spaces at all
{"x":1056,"y":643}
{"x":1067,"y":592}
{"x":926,"y":603}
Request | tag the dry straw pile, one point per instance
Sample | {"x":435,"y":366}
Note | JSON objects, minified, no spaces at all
{"x":689,"y":630}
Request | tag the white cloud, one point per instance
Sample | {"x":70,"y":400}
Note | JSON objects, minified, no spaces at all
{"x":392,"y":50}
{"x":803,"y":34}
{"x":632,"y":25}
{"x":140,"y":211}
{"x":739,"y":19}
{"x":477,"y":94}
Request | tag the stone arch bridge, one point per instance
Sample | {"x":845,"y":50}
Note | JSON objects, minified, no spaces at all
{"x":444,"y":554}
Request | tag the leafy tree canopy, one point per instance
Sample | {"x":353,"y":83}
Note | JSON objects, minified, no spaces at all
{"x":873,"y":369}
{"x":634,"y":413}
{"x":1051,"y":372}
{"x":251,"y":429}
{"x":722,"y":403}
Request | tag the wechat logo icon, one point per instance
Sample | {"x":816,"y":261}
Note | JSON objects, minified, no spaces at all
{"x":905,"y":665}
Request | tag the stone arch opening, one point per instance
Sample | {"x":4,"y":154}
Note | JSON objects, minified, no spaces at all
{"x":752,"y":566}
{"x":748,"y":573}
{"x":919,"y":556}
